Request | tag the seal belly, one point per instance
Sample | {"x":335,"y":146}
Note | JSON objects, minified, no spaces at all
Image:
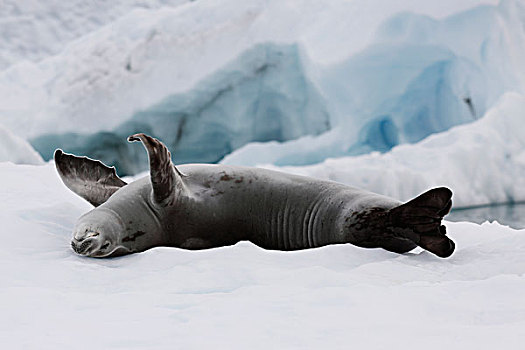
{"x":292,"y":222}
{"x":271,"y":209}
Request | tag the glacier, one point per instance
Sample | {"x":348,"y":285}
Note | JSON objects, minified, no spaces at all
{"x":415,"y":76}
{"x":420,"y":76}
{"x":263,"y":95}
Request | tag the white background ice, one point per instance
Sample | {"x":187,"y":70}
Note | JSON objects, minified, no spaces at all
{"x":384,"y":77}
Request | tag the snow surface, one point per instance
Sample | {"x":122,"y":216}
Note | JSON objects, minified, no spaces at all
{"x":241,"y":296}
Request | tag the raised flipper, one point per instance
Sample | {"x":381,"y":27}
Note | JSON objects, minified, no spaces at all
{"x":420,"y":221}
{"x":88,"y":178}
{"x":165,"y":178}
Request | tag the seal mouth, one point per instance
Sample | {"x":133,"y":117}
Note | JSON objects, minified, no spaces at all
{"x":92,"y":247}
{"x":83,"y":247}
{"x":91,"y":244}
{"x":96,"y":234}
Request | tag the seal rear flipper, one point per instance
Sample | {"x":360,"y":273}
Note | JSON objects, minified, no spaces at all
{"x":420,"y":221}
{"x":88,"y":178}
{"x":437,"y":243}
{"x":166,"y":180}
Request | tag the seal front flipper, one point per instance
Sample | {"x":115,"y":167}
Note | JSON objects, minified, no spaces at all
{"x":166,"y":180}
{"x":420,"y":221}
{"x":88,"y":178}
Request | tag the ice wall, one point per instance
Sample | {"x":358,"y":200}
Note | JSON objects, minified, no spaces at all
{"x":336,"y":90}
{"x":263,"y":95}
{"x":482,"y":162}
{"x":420,"y":76}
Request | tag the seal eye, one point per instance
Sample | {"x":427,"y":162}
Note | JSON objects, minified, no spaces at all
{"x":92,"y":234}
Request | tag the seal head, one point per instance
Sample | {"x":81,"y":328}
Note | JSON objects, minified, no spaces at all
{"x":97,"y":234}
{"x":127,"y":218}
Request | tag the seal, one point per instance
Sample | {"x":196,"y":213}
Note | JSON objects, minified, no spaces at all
{"x":199,"y":206}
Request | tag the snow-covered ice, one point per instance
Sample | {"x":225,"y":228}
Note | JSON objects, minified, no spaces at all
{"x":241,"y":297}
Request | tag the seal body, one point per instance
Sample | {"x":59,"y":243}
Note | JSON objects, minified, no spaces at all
{"x":202,"y":206}
{"x":271,"y":209}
